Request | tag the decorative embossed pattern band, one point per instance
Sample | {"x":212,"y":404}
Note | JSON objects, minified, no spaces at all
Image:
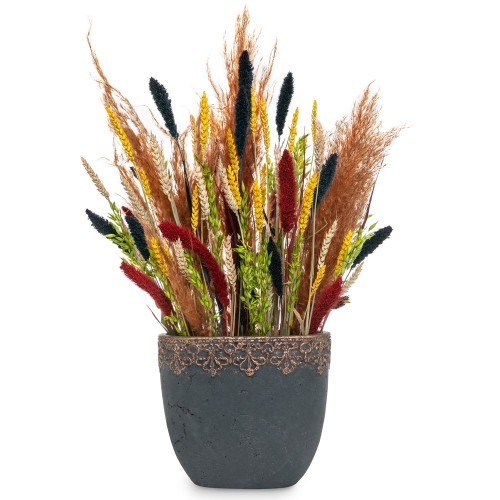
{"x":212,"y":354}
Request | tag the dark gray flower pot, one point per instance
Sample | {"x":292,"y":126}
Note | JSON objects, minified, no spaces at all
{"x":244,"y":412}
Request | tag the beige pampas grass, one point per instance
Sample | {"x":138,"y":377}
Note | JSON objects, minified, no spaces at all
{"x":228,"y":193}
{"x":180,"y":258}
{"x":95,"y":179}
{"x":202,"y":192}
{"x":325,"y":246}
{"x":229,"y":261}
{"x":319,"y":144}
{"x":353,"y":278}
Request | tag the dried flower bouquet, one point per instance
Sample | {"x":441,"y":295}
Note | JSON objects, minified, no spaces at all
{"x":229,"y":235}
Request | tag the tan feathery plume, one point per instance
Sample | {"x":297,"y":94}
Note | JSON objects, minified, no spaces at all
{"x":307,"y":203}
{"x":180,"y":258}
{"x":319,"y":144}
{"x":244,"y":39}
{"x":95,"y":179}
{"x":129,"y":150}
{"x":202,"y":192}
{"x":319,"y":278}
{"x":257,"y":205}
{"x":293,"y":131}
{"x":229,"y":261}
{"x":228,"y":194}
{"x":265,"y":126}
{"x":204,"y":124}
{"x":314,"y":114}
{"x":361,"y":145}
{"x":135,"y":132}
{"x":343,"y":250}
{"x":195,"y":214}
{"x":326,"y":244}
{"x":162,"y":264}
{"x":353,"y":278}
{"x":184,"y":297}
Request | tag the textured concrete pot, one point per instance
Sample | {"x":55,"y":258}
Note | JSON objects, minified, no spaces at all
{"x":244,"y":412}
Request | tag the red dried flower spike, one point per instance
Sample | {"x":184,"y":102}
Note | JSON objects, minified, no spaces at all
{"x":147,"y":284}
{"x":326,"y":301}
{"x":287,"y":192}
{"x":127,"y":211}
{"x":189,"y":241}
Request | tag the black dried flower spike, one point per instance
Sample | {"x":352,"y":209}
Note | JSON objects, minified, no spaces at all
{"x":137,"y":232}
{"x":326,"y":178}
{"x":275,"y":267}
{"x":160,"y":97}
{"x":284,"y":100}
{"x":102,"y":225}
{"x":245,"y":72}
{"x":371,"y":244}
{"x":242,"y":111}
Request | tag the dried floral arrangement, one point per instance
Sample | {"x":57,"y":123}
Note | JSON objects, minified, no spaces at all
{"x":229,"y":235}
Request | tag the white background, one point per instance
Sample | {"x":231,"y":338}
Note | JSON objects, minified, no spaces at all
{"x":414,"y":399}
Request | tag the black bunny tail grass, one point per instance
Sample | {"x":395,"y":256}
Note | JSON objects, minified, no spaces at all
{"x":245,"y":72}
{"x":101,"y":224}
{"x":371,"y":244}
{"x":160,"y":97}
{"x":275,"y":267}
{"x":284,"y":100}
{"x":137,"y":232}
{"x":242,"y":111}
{"x":326,"y":178}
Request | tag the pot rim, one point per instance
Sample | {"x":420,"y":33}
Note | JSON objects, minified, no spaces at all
{"x":248,"y":337}
{"x":212,"y":354}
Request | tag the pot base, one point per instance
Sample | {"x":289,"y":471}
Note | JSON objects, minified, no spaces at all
{"x":236,"y":431}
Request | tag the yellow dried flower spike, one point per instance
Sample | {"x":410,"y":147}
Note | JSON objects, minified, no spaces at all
{"x":293,"y":130}
{"x":318,"y":280}
{"x":194,"y":141}
{"x":204,"y":124}
{"x":155,"y":247}
{"x":145,"y":183}
{"x":233,"y":169}
{"x":313,"y":120}
{"x":253,"y":117}
{"x":263,"y":184}
{"x":343,"y":250}
{"x":257,"y":205}
{"x":233,"y":185}
{"x":265,"y":126}
{"x":195,"y":212}
{"x":121,"y":135}
{"x":307,"y":203}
